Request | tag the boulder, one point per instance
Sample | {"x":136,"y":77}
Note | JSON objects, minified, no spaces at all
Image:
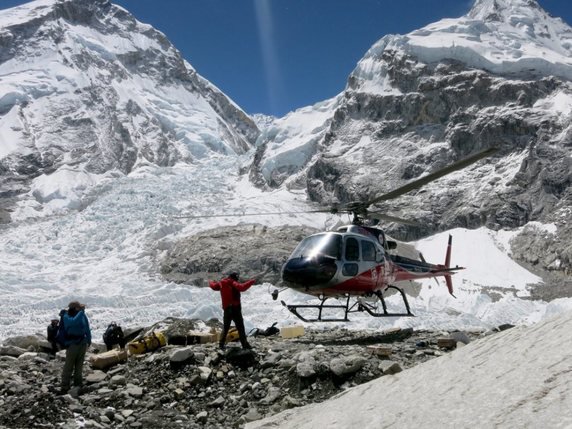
{"x":306,"y":369}
{"x":10,"y":350}
{"x":250,"y":416}
{"x":95,"y":377}
{"x":273,"y":394}
{"x":181,"y":357}
{"x":202,"y":417}
{"x":460,"y":337}
{"x":389,"y":368}
{"x":26,"y":342}
{"x":346,"y":366}
{"x":204,"y":373}
{"x":133,"y":391}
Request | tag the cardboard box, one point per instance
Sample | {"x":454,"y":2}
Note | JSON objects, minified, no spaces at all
{"x":291,"y":331}
{"x":379,"y":350}
{"x":446,"y":343}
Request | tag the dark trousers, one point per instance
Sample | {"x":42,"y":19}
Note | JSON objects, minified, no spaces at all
{"x":75,"y":355}
{"x":234,"y":314}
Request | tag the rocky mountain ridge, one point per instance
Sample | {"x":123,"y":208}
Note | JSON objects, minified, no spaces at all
{"x":498,"y":77}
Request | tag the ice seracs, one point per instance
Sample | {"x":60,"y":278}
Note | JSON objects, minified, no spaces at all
{"x":86,"y":87}
{"x":112,"y":135}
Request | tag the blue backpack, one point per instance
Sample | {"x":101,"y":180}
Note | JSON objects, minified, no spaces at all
{"x":61,"y":334}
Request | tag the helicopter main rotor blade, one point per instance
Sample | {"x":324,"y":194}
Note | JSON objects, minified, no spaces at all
{"x":382,"y":216}
{"x":251,"y":214}
{"x":433,"y":176}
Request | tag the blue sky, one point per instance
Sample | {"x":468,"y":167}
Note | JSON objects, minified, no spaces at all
{"x":274,"y":56}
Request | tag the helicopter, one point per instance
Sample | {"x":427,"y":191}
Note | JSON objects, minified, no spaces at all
{"x":359,"y":264}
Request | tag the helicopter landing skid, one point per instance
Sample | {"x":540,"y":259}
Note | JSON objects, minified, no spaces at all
{"x":354,"y":308}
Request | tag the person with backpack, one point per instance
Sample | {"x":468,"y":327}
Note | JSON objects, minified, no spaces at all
{"x":230,"y":289}
{"x":113,"y":335}
{"x":75,"y":336}
{"x":52,"y":335}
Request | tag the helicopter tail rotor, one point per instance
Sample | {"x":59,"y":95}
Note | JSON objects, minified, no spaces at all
{"x":448,"y":279}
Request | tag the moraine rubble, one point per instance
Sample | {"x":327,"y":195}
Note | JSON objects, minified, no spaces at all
{"x":199,"y":386}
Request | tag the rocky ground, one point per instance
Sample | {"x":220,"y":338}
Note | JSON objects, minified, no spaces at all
{"x":254,"y":250}
{"x":199,"y":386}
{"x":259,"y":251}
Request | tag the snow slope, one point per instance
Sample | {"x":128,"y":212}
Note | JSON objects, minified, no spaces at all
{"x":518,"y":378}
{"x":104,"y":255}
{"x":291,"y":141}
{"x":95,"y":235}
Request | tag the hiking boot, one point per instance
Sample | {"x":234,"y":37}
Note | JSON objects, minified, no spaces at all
{"x":247,"y":346}
{"x":222,"y":346}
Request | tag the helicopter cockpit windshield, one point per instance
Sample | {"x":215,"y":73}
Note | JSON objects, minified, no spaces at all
{"x":328,"y":244}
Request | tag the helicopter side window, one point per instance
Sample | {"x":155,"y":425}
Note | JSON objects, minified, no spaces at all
{"x":367,"y":251}
{"x":352,"y":249}
{"x":350,"y":270}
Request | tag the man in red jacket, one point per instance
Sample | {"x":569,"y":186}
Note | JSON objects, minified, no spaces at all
{"x":230,"y":290}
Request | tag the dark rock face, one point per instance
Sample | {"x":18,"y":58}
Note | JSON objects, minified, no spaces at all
{"x":252,"y":250}
{"x":552,"y":253}
{"x":468,"y":110}
{"x":208,"y":390}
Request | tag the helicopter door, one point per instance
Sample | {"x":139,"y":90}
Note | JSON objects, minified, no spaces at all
{"x":359,"y":257}
{"x":374,"y":260}
{"x":351,"y":257}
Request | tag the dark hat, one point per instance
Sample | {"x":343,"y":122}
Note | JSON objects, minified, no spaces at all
{"x":76,"y":305}
{"x":233,"y":275}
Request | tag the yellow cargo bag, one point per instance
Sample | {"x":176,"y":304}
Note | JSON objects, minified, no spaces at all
{"x":147,"y":344}
{"x":232,"y":335}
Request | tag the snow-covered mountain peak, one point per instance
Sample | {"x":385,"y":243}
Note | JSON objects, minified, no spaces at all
{"x":87,"y":91}
{"x":499,"y":76}
{"x":514,"y":38}
{"x":524,"y":20}
{"x":499,"y":10}
{"x":21,"y":14}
